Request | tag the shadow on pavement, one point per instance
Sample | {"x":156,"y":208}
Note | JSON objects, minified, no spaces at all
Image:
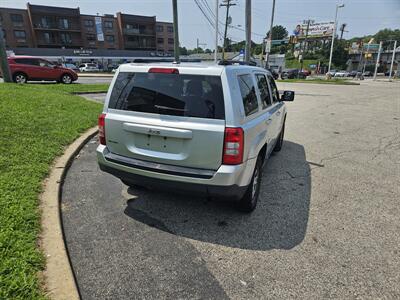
{"x":279,"y":221}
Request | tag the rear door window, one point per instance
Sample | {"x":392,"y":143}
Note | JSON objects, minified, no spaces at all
{"x":27,"y":61}
{"x":197,"y":96}
{"x":264,"y":91}
{"x":249,"y":97}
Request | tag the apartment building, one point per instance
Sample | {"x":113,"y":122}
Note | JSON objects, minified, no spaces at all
{"x":165,"y":37}
{"x":100,"y":32}
{"x":50,"y":27}
{"x":16,"y":27}
{"x":55,"y":27}
{"x":136,"y":32}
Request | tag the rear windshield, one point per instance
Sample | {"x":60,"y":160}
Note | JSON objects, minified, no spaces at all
{"x":197,"y":96}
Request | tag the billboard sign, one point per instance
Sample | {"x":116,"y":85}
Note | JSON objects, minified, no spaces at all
{"x":99,"y":29}
{"x":315,"y":30}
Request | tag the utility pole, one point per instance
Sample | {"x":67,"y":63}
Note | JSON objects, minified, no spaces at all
{"x":228,"y":4}
{"x":391,"y":64}
{"x":333,"y":36}
{"x":216,"y":31}
{"x":198,"y":44}
{"x":305,"y":44}
{"x":3,"y":59}
{"x":247,"y":52}
{"x":270,"y":33}
{"x":176,"y":35}
{"x":377,"y":59}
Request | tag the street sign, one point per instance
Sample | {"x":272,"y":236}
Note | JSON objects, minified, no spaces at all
{"x":371,"y":47}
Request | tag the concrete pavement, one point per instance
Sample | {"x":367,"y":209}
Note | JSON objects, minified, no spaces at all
{"x":327,"y":224}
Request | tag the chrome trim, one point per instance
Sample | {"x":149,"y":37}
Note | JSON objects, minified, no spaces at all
{"x":157,"y":167}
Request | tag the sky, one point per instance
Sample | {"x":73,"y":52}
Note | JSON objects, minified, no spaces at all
{"x":361,"y":16}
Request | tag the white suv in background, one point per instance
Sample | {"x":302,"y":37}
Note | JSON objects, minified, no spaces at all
{"x":203,"y":129}
{"x":89,"y":67}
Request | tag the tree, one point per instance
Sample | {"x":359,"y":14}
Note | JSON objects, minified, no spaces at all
{"x":340,"y":55}
{"x":387,"y":34}
{"x":183,"y":51}
{"x":208,"y":51}
{"x":278,"y":32}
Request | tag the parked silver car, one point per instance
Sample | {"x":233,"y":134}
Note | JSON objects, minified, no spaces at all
{"x":204,"y":129}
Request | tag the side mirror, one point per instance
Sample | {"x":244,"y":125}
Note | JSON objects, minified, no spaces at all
{"x":287,"y":96}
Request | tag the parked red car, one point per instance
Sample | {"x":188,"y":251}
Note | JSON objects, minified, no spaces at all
{"x":24,"y":68}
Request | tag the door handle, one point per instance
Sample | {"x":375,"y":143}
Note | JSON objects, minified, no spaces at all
{"x":278,"y":113}
{"x":269,"y":121}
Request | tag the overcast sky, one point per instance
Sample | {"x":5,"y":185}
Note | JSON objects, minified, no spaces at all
{"x":362,"y":16}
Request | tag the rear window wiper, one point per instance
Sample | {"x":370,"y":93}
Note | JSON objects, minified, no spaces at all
{"x":170,"y":108}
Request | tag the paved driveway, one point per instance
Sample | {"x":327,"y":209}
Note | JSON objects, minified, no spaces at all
{"x":327,"y":224}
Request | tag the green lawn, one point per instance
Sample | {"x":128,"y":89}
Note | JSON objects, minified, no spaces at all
{"x":36,"y":123}
{"x":321,"y":81}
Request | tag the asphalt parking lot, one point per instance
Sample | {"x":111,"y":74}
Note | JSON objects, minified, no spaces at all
{"x":327,"y":224}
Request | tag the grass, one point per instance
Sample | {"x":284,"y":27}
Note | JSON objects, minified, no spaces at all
{"x":37,"y":122}
{"x":321,"y":81}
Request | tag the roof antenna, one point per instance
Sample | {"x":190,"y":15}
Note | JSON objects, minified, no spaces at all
{"x":176,"y":35}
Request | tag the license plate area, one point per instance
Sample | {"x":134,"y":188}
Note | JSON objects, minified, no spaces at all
{"x":158,"y":143}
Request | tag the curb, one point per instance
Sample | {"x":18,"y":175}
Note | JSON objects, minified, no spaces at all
{"x":58,"y":276}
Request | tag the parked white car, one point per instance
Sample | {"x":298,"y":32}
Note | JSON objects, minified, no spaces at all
{"x":342,"y":74}
{"x":89,"y":67}
{"x":203,"y":129}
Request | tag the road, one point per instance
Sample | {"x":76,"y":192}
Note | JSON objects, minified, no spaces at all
{"x":327,"y":224}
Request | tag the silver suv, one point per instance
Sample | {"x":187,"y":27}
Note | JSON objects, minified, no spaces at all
{"x":203,"y":129}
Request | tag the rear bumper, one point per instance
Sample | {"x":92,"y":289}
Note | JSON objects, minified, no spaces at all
{"x":229,"y":182}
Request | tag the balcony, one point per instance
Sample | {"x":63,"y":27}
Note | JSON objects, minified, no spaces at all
{"x":56,"y":27}
{"x":136,"y":31}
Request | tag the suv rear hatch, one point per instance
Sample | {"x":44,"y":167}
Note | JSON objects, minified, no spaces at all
{"x":166,"y":117}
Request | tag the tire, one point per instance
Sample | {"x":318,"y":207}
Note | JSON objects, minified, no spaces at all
{"x":249,"y":200}
{"x":279,"y":142}
{"x":66,"y":79}
{"x":20,"y":78}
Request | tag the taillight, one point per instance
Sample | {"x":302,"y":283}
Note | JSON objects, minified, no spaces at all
{"x":102,"y":130}
{"x":164,"y":70}
{"x":233,"y":146}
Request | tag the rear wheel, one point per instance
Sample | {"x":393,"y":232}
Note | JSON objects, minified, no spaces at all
{"x":279,"y":142}
{"x":249,"y":201}
{"x":66,"y":78}
{"x":20,"y":78}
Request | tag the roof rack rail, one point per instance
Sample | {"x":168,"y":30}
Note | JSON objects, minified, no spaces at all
{"x":236,"y":62}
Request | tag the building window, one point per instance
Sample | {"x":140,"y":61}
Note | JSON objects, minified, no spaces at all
{"x":170,"y":41}
{"x":64,"y":23}
{"x":110,"y":39}
{"x":108,"y":24}
{"x":20,"y":34}
{"x":17,"y":20}
{"x":65,"y":38}
{"x":88,"y":23}
{"x":170,"y":29}
{"x":160,"y":28}
{"x":48,"y":38}
{"x":160,"y":41}
{"x":91,"y":37}
{"x":4,"y":33}
{"x":45,"y":22}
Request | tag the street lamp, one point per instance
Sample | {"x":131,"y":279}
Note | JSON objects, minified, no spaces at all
{"x":333,"y":35}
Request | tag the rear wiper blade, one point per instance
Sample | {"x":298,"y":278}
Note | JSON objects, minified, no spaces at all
{"x":169,"y":108}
